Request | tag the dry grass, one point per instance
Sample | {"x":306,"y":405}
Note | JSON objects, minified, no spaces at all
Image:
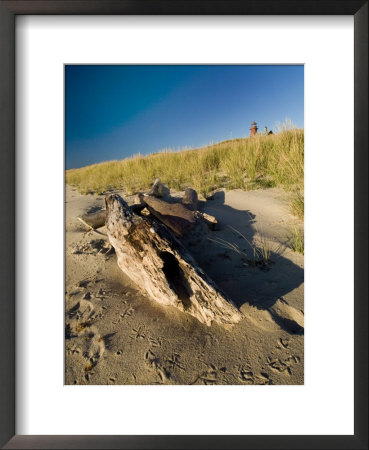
{"x":248,"y":163}
{"x":296,"y":240}
{"x":261,"y":248}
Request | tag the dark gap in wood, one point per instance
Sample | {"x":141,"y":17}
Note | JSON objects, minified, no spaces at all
{"x":176,"y":278}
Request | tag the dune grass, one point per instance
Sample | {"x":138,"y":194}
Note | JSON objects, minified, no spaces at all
{"x":296,"y":240}
{"x":247,"y":163}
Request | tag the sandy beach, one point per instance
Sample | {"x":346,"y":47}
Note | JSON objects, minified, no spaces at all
{"x":116,"y":334}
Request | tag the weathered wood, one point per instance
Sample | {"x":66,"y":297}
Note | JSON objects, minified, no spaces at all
{"x":210,"y":221}
{"x":89,"y":228}
{"x":144,"y":212}
{"x":190,"y":199}
{"x":158,"y":189}
{"x":178,"y":217}
{"x":174,"y":215}
{"x":156,"y":261}
{"x":96,"y":219}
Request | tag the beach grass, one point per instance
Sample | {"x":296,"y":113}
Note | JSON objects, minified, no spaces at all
{"x":261,"y":248}
{"x":247,"y":163}
{"x":296,"y":239}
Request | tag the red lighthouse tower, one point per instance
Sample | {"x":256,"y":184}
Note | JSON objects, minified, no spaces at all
{"x":253,"y":129}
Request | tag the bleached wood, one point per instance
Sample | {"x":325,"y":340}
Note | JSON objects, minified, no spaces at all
{"x":210,"y":221}
{"x":156,"y":261}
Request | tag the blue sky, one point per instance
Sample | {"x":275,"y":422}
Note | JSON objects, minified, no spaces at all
{"x":112,"y":112}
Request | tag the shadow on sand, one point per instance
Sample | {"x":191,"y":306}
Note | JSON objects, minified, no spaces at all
{"x":243,"y":283}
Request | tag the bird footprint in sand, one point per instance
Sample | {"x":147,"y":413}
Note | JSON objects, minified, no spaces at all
{"x":139,"y":332}
{"x":153,"y":361}
{"x":248,"y":377}
{"x":283,"y":366}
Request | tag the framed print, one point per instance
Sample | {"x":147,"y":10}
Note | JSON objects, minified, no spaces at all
{"x":61,"y":383}
{"x":211,"y":350}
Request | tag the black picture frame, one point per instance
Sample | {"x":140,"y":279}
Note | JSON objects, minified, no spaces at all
{"x":8,"y":12}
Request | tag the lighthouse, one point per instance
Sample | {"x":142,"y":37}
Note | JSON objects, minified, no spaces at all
{"x":253,"y":129}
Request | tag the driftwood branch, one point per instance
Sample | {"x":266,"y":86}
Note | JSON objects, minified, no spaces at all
{"x":174,"y":215}
{"x":89,"y":227}
{"x":156,"y":261}
{"x":94,"y":220}
{"x":210,"y":221}
{"x":179,"y":217}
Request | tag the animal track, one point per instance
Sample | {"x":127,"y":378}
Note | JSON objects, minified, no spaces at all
{"x":262,"y":378}
{"x":209,"y":376}
{"x":153,"y":361}
{"x":127,"y":313}
{"x":151,"y":358}
{"x":139,"y":332}
{"x":91,"y":345}
{"x":155,"y":342}
{"x":248,"y":377}
{"x":278,"y":365}
{"x":94,"y":247}
{"x":102,"y":293}
{"x":174,"y":362}
{"x":81,"y":310}
{"x":74,"y":350}
{"x":294,"y":358}
{"x":94,"y":347}
{"x":284,"y":342}
{"x":83,"y":283}
{"x":81,"y":317}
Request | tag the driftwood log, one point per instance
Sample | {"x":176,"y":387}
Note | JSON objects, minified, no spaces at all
{"x":174,"y":215}
{"x":156,"y":261}
{"x":190,"y":199}
{"x":179,"y":217}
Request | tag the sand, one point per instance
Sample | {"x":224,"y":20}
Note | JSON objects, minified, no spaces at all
{"x":116,"y":334}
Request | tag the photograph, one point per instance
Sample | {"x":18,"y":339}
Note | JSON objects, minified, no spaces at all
{"x":184,"y":224}
{"x":164,"y":143}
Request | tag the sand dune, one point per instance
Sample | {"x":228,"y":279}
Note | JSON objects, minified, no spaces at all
{"x":115,"y":334}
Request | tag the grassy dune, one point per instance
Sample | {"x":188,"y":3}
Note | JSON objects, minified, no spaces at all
{"x":248,"y":163}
